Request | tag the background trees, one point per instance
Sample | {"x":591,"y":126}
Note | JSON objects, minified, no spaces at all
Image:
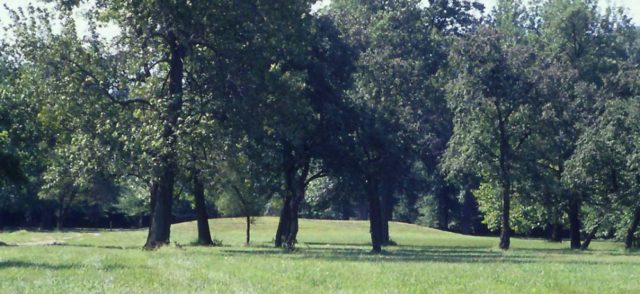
{"x":386,"y":110}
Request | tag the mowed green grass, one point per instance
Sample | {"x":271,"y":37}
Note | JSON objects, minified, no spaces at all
{"x":332,"y":257}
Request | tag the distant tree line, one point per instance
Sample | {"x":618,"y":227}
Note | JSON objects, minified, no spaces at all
{"x":523,"y":119}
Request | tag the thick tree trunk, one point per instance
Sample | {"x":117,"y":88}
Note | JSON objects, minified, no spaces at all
{"x":204,"y":233}
{"x":574,"y":221}
{"x":384,"y":226}
{"x":283,"y":224}
{"x":160,"y":226}
{"x":505,"y":233}
{"x":375,"y":217}
{"x":248,"y":239}
{"x":628,"y":242}
{"x":386,"y":211}
{"x":295,"y":180}
{"x":292,"y":235}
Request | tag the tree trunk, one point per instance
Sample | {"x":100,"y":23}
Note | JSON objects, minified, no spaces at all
{"x":574,"y":221}
{"x":283,"y":224}
{"x":628,"y":242}
{"x":160,"y":226}
{"x":61,"y":214}
{"x":505,"y":181}
{"x":248,"y":239}
{"x":556,"y":232}
{"x":386,"y":211}
{"x":555,"y":226}
{"x":505,"y":233}
{"x":590,"y":236}
{"x":468,"y":212}
{"x":385,"y":240}
{"x":160,"y":223}
{"x":345,"y":209}
{"x":443,"y":210}
{"x":295,"y":173}
{"x":63,"y":209}
{"x":294,"y":206}
{"x":375,"y":219}
{"x":204,"y":233}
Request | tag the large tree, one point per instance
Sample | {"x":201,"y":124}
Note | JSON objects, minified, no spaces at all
{"x":493,"y":100}
{"x":583,"y":46}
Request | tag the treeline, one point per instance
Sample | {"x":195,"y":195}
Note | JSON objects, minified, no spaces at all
{"x":522,"y":120}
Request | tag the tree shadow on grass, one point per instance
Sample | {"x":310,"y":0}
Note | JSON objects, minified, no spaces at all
{"x":97,"y":246}
{"x":425,"y":254}
{"x":7,"y":264}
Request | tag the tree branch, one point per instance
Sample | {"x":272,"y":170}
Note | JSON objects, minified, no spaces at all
{"x":316,"y":176}
{"x":104,"y":91}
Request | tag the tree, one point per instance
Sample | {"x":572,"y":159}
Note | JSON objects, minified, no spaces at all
{"x":583,"y":46}
{"x":154,"y":68}
{"x":604,"y":163}
{"x":493,"y":101}
{"x":10,"y":167}
{"x":246,"y":189}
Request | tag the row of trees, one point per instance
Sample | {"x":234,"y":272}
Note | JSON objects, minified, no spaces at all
{"x":411,"y":111}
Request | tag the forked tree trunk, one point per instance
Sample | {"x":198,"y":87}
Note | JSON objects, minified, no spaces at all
{"x":628,"y":242}
{"x":204,"y":233}
{"x":160,"y":226}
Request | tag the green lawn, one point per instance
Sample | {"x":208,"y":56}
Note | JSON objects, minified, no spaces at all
{"x":333,"y":257}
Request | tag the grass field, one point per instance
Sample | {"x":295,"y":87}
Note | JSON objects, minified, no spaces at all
{"x":333,"y":257}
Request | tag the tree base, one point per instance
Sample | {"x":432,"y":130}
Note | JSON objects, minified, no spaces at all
{"x":154,"y":245}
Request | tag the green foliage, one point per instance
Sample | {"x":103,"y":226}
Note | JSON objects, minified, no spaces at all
{"x":418,"y":105}
{"x":133,"y":200}
{"x":244,"y":192}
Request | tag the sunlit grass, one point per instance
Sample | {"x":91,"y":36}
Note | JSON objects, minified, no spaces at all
{"x":332,"y":256}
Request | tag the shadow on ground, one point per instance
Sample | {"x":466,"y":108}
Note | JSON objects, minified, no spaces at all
{"x":97,"y":246}
{"x":7,"y":264}
{"x":448,"y":254}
